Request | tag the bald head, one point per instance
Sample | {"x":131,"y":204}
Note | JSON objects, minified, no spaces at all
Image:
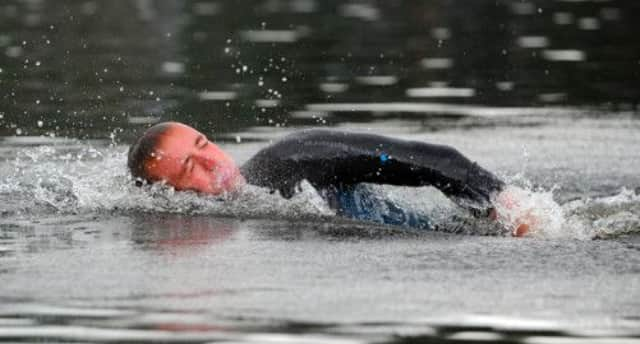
{"x":143,"y":149}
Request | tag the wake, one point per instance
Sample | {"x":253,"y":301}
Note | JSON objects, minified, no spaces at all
{"x":52,"y":180}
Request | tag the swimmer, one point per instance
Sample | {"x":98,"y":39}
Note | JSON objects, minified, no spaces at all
{"x":336,"y":163}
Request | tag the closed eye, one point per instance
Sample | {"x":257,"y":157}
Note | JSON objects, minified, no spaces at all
{"x":201,"y":142}
{"x":188,"y":165}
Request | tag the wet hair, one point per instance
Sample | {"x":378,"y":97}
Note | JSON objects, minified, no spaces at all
{"x":143,"y":149}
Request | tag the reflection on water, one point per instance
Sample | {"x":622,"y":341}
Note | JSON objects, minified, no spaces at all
{"x":180,"y":234}
{"x":177,"y":279}
{"x":92,"y":69}
{"x":28,"y":321}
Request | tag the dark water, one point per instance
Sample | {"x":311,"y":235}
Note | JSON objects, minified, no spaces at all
{"x":544,"y":93}
{"x":91,"y":69}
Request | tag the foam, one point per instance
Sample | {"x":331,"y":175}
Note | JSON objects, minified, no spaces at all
{"x":51,"y":179}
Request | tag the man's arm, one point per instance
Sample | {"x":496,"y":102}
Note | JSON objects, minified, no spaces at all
{"x":328,"y":158}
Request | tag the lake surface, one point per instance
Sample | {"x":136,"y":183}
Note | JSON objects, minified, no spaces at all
{"x":545,"y":94}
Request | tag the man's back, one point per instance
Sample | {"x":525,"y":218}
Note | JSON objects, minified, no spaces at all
{"x":339,"y":160}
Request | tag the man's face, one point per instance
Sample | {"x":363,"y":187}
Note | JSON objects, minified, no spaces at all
{"x":185,"y":159}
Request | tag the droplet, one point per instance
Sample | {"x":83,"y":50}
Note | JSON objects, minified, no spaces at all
{"x":284,"y":79}
{"x":121,"y":88}
{"x":40,"y":124}
{"x":38,"y":63}
{"x":37,"y":101}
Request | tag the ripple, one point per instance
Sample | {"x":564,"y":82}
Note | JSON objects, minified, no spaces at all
{"x":377,"y":80}
{"x":10,"y":322}
{"x":440,"y":92}
{"x":333,"y":87}
{"x":172,"y":67}
{"x":442,"y":109}
{"x":59,"y":311}
{"x":564,"y":55}
{"x":437,"y":63}
{"x":589,"y":23}
{"x":81,"y":333}
{"x":270,"y":36}
{"x":217,"y":95}
{"x":533,"y":41}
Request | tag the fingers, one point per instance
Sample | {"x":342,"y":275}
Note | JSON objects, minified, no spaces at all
{"x":520,"y":230}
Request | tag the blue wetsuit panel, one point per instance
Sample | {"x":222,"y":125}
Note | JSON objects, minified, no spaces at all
{"x":361,"y":203}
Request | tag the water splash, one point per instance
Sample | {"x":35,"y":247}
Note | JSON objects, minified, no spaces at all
{"x":538,"y":209}
{"x":607,"y":217}
{"x":84,"y":180}
{"x":48,"y":179}
{"x":587,"y":218}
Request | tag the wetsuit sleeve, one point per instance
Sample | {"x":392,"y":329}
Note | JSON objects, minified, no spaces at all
{"x":335,"y":159}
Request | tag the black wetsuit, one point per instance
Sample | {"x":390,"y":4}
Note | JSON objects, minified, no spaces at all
{"x":336,"y":162}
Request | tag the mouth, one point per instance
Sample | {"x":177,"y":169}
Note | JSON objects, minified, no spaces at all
{"x":224,"y":178}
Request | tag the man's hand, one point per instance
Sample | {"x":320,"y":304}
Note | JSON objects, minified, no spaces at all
{"x":515,"y":210}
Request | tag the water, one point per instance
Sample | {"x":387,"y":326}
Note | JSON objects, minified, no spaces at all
{"x":88,"y":256}
{"x":543,"y":93}
{"x":89,"y":69}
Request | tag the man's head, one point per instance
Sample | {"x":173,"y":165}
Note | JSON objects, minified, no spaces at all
{"x":183,"y":158}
